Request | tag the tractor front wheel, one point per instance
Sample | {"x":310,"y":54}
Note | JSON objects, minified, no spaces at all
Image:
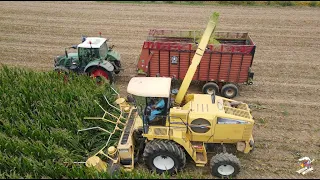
{"x":225,"y":165}
{"x":164,"y":155}
{"x":101,"y":76}
{"x":61,"y":70}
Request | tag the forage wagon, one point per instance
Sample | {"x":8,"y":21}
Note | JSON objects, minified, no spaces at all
{"x":226,"y":62}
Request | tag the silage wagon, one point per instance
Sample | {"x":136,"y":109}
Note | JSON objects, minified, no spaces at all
{"x":226,"y":63}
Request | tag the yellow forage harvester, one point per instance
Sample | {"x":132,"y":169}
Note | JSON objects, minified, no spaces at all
{"x":186,"y":124}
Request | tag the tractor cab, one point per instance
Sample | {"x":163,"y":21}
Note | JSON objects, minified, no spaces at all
{"x":92,"y":48}
{"x":152,"y":96}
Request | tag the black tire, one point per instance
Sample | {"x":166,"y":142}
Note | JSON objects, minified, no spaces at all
{"x":165,"y":149}
{"x":61,"y":69}
{"x":118,"y":63}
{"x":253,"y":145}
{"x":113,"y":168}
{"x":229,"y":91}
{"x":210,"y":88}
{"x":225,"y":165}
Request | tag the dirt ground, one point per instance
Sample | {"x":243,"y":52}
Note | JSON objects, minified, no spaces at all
{"x":286,"y":64}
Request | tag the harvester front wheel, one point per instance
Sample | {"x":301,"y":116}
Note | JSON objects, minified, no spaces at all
{"x":101,"y":76}
{"x":229,"y":91}
{"x":113,"y":168}
{"x":225,"y":165}
{"x":164,"y":155}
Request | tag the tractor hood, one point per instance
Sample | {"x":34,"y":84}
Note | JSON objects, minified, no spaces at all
{"x":73,"y":55}
{"x":113,"y":55}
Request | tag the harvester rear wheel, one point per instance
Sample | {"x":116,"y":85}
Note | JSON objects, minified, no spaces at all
{"x":210,"y":88}
{"x":229,"y":91}
{"x":164,"y":155}
{"x":225,"y":165}
{"x":101,"y":76}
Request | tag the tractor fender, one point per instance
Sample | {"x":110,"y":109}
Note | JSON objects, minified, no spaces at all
{"x":104,"y":64}
{"x":113,"y":55}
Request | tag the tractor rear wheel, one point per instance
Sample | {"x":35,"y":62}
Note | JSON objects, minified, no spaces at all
{"x":164,"y":155}
{"x":210,"y":88}
{"x":101,"y":76}
{"x":225,"y":165}
{"x":229,"y":91}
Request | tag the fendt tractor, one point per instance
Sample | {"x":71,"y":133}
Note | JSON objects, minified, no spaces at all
{"x":225,"y":65}
{"x":188,"y":127}
{"x":93,"y":57}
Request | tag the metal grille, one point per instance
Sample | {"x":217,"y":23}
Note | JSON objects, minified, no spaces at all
{"x":126,"y":132}
{"x":236,"y":112}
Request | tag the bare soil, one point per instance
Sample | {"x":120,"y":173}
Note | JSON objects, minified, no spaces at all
{"x":286,"y":63}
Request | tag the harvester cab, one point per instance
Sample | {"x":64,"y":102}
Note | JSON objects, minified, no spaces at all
{"x":153,"y":99}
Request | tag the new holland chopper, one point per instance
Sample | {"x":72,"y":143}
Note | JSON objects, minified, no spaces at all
{"x":187,"y":126}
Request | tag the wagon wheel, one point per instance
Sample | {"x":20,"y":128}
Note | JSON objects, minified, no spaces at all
{"x":101,"y":76}
{"x":229,"y":91}
{"x":210,"y":88}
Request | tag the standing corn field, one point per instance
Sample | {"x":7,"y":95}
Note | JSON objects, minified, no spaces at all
{"x":40,"y":114}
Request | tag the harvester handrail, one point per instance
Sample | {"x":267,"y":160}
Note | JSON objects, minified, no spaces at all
{"x":103,"y":119}
{"x":106,"y":112}
{"x":97,"y":127}
{"x":115,"y":91}
{"x":116,"y":128}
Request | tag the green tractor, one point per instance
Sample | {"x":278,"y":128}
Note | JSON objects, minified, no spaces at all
{"x":93,"y":57}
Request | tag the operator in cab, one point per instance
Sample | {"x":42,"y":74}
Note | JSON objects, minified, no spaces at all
{"x":157,"y":106}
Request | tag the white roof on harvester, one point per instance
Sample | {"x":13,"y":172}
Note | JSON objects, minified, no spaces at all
{"x":150,"y":86}
{"x":96,"y":42}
